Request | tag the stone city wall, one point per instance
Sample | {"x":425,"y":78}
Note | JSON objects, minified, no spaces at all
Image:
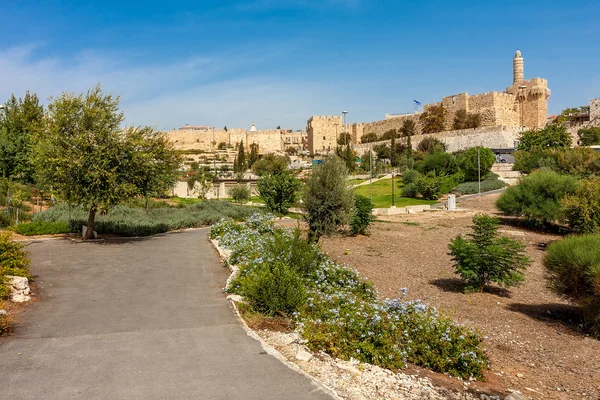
{"x":268,"y":141}
{"x":322,"y":133}
{"x":494,"y":137}
{"x":595,"y":110}
{"x":381,"y":127}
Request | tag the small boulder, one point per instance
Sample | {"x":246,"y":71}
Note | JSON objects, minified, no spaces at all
{"x":3,"y":313}
{"x":514,"y":396}
{"x":19,"y":289}
{"x":303,"y":355}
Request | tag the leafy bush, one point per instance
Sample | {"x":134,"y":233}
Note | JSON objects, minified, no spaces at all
{"x":582,"y":208}
{"x":439,"y":162}
{"x":410,"y":190}
{"x":5,"y":219}
{"x":589,"y":136}
{"x":429,"y":186}
{"x":278,"y":191}
{"x":552,"y":136}
{"x":580,"y":161}
{"x":363,"y":215}
{"x":13,"y":261}
{"x":342,"y":314}
{"x":327,"y":202}
{"x":487,"y":257}
{"x":431,"y":144}
{"x":538,"y":197}
{"x":528,"y":161}
{"x":240,"y":193}
{"x":127,"y":221}
{"x":464,"y":120}
{"x":467,"y":161}
{"x":42,"y":228}
{"x":369,"y":138}
{"x":574,"y":271}
{"x":410,"y":176}
{"x":473,"y":187}
{"x":270,"y":164}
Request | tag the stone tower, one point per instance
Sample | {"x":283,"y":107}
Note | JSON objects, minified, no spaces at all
{"x":518,"y":68}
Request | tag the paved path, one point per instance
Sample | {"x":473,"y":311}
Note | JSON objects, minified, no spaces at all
{"x":137,"y":319}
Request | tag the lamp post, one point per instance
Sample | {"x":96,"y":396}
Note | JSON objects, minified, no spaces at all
{"x":344,"y":122}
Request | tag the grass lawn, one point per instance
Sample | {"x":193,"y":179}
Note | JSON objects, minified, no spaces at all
{"x":382,"y":194}
{"x":356,"y":181}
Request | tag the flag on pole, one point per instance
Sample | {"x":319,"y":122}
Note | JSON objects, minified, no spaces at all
{"x":417,"y":102}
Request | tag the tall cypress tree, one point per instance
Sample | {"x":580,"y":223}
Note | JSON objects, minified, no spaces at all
{"x":240,"y":161}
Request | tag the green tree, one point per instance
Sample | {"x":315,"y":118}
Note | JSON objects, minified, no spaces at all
{"x":408,"y":130}
{"x":434,"y":119}
{"x":240,"y":193}
{"x":278,"y":191}
{"x":464,"y":120}
{"x":550,"y":137}
{"x":326,"y":201}
{"x":20,"y":121}
{"x":538,"y":196}
{"x":270,"y":164}
{"x":589,"y":136}
{"x":582,"y":208}
{"x":369,"y":138}
{"x":486,"y":257}
{"x":467,"y":162}
{"x":84,"y":156}
{"x":253,"y":157}
{"x":569,"y":113}
{"x":240,"y":165}
{"x":344,"y":139}
{"x":154,"y":163}
{"x":431,"y":144}
{"x":362,"y":217}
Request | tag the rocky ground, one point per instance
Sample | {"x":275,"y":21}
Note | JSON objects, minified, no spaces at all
{"x":533,"y":336}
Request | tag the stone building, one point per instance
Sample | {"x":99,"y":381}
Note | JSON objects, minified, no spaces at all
{"x":523,"y":104}
{"x":207,"y":139}
{"x":322,"y":133}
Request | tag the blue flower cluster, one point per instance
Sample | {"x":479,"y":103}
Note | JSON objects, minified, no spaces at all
{"x":343,"y":314}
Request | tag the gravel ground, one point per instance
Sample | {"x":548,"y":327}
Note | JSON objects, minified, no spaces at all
{"x":533,"y":337}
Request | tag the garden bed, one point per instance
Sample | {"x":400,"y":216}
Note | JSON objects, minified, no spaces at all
{"x":533,"y":337}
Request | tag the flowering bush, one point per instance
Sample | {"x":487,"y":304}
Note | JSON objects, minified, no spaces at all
{"x":338,"y":312}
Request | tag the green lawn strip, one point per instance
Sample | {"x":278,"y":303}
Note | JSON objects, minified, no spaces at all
{"x":382,"y":194}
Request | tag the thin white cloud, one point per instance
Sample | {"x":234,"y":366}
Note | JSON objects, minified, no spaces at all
{"x":167,"y":94}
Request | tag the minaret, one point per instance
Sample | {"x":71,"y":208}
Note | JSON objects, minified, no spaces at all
{"x":518,"y":68}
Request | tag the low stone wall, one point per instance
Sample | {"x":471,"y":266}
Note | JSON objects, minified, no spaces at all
{"x":494,"y":137}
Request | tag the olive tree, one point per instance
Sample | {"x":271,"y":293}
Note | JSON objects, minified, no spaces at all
{"x":86,"y":158}
{"x":326,"y":201}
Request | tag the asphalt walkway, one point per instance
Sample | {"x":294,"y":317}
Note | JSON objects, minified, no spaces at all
{"x":137,"y":319}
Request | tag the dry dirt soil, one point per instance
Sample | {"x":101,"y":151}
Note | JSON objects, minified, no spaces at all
{"x":533,"y":336}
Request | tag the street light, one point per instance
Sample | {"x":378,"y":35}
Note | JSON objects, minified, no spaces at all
{"x":344,"y":122}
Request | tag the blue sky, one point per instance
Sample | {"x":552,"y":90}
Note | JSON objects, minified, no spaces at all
{"x":272,"y":62}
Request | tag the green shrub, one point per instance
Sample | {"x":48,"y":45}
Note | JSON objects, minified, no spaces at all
{"x":487,"y":257}
{"x":431,"y":144}
{"x":467,"y":161}
{"x":270,"y":164}
{"x":438,"y":162}
{"x":240,"y":193}
{"x":363,"y":215}
{"x":338,"y":312}
{"x":42,"y":228}
{"x":127,"y":221}
{"x":327,"y":202}
{"x":278,"y":191}
{"x":450,"y":182}
{"x":550,"y":137}
{"x":410,"y":176}
{"x":538,"y":197}
{"x":273,"y":289}
{"x":5,"y":219}
{"x":473,"y":187}
{"x":13,"y":261}
{"x":589,"y":136}
{"x":580,"y":161}
{"x":528,"y":161}
{"x":410,"y":190}
{"x":429,"y":186}
{"x":574,"y":271}
{"x":582,"y":208}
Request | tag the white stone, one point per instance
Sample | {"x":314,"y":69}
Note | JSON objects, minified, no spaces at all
{"x":349,"y":368}
{"x":514,"y":396}
{"x":303,"y":355}
{"x":84,"y":230}
{"x":19,"y":289}
{"x":3,"y":312}
{"x":451,"y":202}
{"x":236,"y":298}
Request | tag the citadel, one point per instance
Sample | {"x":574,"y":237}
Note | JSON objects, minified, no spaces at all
{"x":503,"y":116}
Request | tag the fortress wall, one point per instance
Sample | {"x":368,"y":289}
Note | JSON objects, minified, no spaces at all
{"x":496,"y":137}
{"x":595,"y":110}
{"x":380,"y":127}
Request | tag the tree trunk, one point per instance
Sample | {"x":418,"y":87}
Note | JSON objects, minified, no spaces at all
{"x":146,"y":205}
{"x":89,"y":233}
